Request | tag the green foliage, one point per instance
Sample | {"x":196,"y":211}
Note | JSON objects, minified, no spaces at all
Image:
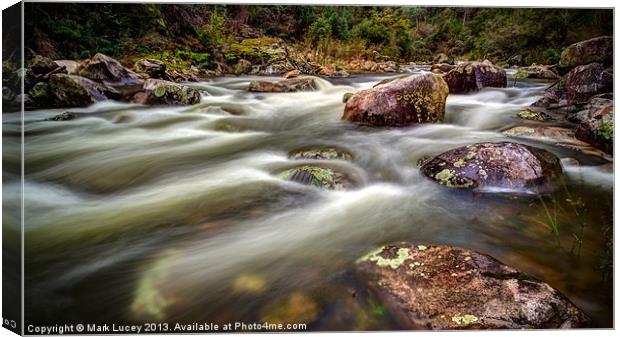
{"x":212,"y":33}
{"x":606,"y":128}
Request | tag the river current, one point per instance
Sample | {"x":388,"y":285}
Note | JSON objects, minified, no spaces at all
{"x":177,"y":214}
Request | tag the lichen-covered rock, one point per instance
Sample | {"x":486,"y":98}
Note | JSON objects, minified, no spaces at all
{"x":322,"y":177}
{"x":473,"y":76}
{"x":160,"y":92}
{"x":73,"y":91}
{"x":533,"y":115}
{"x":578,"y":86}
{"x":537,"y":71}
{"x":449,"y":288}
{"x":599,"y":49}
{"x":288,"y":85}
{"x":413,"y":99}
{"x":502,"y":165}
{"x":319,"y":152}
{"x":153,"y":68}
{"x":39,"y":92}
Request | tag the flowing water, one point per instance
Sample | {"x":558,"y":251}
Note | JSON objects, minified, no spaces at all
{"x":177,"y":214}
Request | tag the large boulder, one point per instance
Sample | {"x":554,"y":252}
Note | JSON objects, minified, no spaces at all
{"x":413,"y":99}
{"x":109,"y":71}
{"x":160,"y":92}
{"x":578,"y":86}
{"x":599,"y":49}
{"x":494,"y":165}
{"x":288,"y":85}
{"x":75,"y":91}
{"x":473,"y":76}
{"x":449,"y":288}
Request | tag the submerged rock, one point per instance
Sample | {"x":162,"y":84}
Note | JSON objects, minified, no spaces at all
{"x":413,"y":99}
{"x":65,"y":116}
{"x":322,"y":177}
{"x":473,"y":76}
{"x":599,"y":49}
{"x":329,"y":153}
{"x":73,"y":91}
{"x":295,"y":308}
{"x":160,"y":92}
{"x":447,"y":288}
{"x":502,"y":165}
{"x":288,"y":85}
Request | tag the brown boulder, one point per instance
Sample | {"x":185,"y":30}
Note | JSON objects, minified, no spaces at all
{"x":473,"y":76}
{"x":494,"y":165}
{"x":291,"y":73}
{"x":413,"y":99}
{"x":288,"y":85}
{"x":449,"y":288}
{"x":599,"y":49}
{"x":72,"y":67}
{"x":441,"y":68}
{"x":151,"y":67}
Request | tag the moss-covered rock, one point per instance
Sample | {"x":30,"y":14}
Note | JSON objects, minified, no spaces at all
{"x":346,"y":96}
{"x":41,"y":65}
{"x":317,"y":176}
{"x":596,"y":127}
{"x":448,"y":288}
{"x":473,"y":76}
{"x":65,"y":116}
{"x":599,"y":49}
{"x":410,"y":100}
{"x":74,"y":91}
{"x":533,"y":115}
{"x":39,"y":92}
{"x":288,"y":85}
{"x":329,"y":153}
{"x":502,"y":165}
{"x":153,"y":68}
{"x":160,"y":92}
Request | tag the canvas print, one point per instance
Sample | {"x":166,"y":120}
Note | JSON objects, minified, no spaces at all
{"x":206,"y":168}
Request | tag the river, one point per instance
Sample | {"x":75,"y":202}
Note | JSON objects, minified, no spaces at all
{"x":177,"y":214}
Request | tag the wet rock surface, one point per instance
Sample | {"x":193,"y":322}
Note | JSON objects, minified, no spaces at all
{"x":404,"y":101}
{"x":494,"y":165}
{"x":318,"y":176}
{"x":448,"y":288}
{"x":72,"y":90}
{"x":537,"y":71}
{"x":328,"y":153}
{"x":473,"y":76}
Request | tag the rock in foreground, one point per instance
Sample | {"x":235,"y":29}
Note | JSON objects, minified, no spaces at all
{"x":501,"y":165}
{"x":449,"y":288}
{"x":473,"y":76}
{"x":405,"y":101}
{"x":288,"y":85}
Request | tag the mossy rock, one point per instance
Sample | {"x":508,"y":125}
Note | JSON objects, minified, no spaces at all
{"x":160,"y":92}
{"x":329,"y":153}
{"x":65,"y":116}
{"x":599,"y":49}
{"x":474,"y":76}
{"x":39,"y":91}
{"x":321,"y":177}
{"x":532,"y":115}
